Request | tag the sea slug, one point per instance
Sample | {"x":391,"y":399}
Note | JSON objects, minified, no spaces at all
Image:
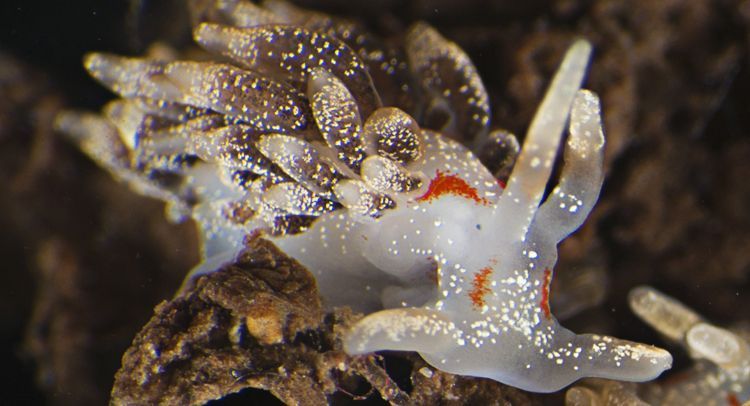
{"x":353,"y":158}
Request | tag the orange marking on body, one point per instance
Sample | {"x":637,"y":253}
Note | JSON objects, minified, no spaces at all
{"x":732,"y":399}
{"x":544,"y":303}
{"x":503,"y":184}
{"x":444,"y":184}
{"x":479,"y":287}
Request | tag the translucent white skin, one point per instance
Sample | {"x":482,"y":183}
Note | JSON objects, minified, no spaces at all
{"x":463,"y":275}
{"x":721,"y":372}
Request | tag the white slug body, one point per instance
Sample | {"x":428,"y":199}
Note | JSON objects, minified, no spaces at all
{"x":292,"y":143}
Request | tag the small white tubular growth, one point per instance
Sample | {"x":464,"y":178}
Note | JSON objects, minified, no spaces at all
{"x":668,"y":316}
{"x":581,"y":179}
{"x":412,"y":329}
{"x":721,"y":374}
{"x":534,"y":165}
{"x":720,"y":346}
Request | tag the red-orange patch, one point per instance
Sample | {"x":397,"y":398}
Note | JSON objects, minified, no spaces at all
{"x":448,"y":184}
{"x":479,"y":287}
{"x":544,"y":303}
{"x":732,"y":399}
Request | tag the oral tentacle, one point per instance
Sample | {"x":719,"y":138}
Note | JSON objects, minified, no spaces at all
{"x":613,"y":358}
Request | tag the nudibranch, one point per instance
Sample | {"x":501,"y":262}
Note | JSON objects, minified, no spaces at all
{"x":721,"y":372}
{"x":346,"y":154}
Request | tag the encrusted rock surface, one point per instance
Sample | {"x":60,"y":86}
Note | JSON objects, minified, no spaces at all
{"x":246,"y":326}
